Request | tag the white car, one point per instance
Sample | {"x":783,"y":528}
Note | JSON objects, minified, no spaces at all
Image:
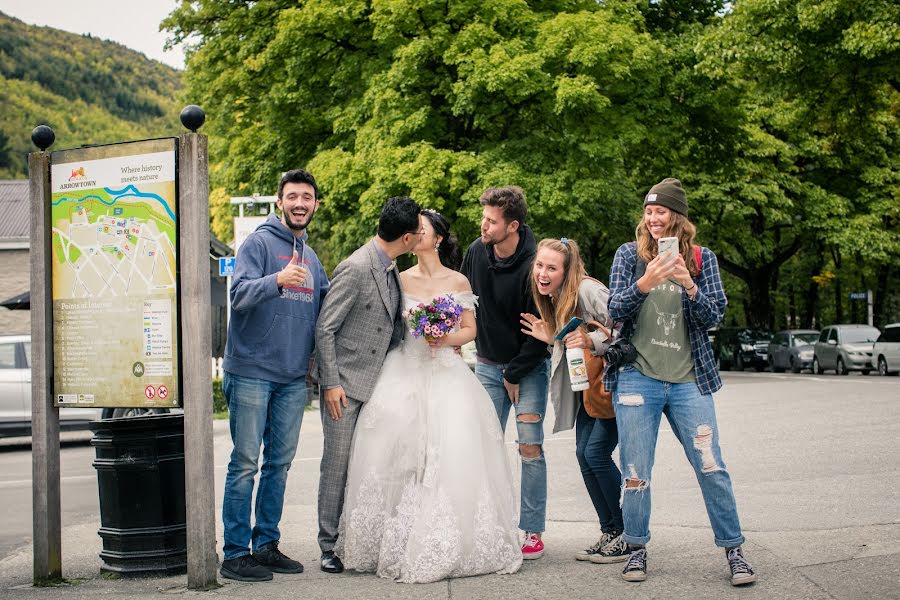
{"x":15,"y":394}
{"x":886,"y":351}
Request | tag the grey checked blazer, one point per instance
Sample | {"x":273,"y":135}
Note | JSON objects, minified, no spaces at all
{"x":355,"y":324}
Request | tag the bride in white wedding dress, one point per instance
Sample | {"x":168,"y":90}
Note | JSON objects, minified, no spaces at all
{"x":429,"y":490}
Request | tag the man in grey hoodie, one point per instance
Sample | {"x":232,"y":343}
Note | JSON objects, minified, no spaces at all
{"x":276,"y":293}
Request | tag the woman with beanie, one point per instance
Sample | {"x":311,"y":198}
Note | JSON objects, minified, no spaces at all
{"x":666,"y":303}
{"x":561,"y":290}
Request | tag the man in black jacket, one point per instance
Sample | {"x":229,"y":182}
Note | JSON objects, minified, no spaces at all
{"x":513,"y":367}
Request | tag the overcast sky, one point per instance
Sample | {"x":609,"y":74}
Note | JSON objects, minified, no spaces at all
{"x":133,"y":23}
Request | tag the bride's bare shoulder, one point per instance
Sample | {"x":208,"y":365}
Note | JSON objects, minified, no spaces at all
{"x":460,"y":282}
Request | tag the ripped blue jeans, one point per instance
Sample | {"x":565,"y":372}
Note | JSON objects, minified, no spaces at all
{"x":533,"y":391}
{"x":640,"y":402}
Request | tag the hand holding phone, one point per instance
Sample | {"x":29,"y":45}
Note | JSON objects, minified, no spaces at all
{"x":668,"y":251}
{"x":668,"y":245}
{"x":569,"y":328}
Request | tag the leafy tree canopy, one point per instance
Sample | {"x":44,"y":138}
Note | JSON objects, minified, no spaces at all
{"x":780,"y":117}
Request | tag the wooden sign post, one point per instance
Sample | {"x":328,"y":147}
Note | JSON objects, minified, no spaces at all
{"x":196,"y":340}
{"x":46,"y":515}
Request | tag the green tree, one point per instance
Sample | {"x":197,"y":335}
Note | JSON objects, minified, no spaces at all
{"x":779,"y":117}
{"x":817,"y":167}
{"x":433,"y":99}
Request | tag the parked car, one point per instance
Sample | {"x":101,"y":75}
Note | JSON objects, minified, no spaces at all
{"x":886,"y":351}
{"x":739,"y":348}
{"x":845,"y":348}
{"x":792,"y":349}
{"x":15,"y":394}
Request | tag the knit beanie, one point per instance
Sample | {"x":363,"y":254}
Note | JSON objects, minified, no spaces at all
{"x":670,"y":194}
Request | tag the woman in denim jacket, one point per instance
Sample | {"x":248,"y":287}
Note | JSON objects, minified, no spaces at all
{"x":666,"y":304}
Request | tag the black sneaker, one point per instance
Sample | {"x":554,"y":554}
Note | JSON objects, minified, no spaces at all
{"x":273,"y":559}
{"x":587,"y":553}
{"x":614,"y":551}
{"x":245,"y":568}
{"x":741,"y":571}
{"x":636,"y":567}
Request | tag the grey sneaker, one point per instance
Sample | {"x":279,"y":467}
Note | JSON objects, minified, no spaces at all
{"x":614,"y":551}
{"x":741,"y":571}
{"x":245,"y":568}
{"x":274,"y":559}
{"x":587,"y":553}
{"x":636,"y":567}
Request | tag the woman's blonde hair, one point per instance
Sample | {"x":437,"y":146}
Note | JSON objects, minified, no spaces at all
{"x":679,"y":227}
{"x":558,"y":313}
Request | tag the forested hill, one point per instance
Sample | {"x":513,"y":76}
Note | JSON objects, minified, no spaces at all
{"x":88,"y":90}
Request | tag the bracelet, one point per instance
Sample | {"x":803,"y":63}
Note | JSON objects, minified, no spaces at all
{"x":692,"y":287}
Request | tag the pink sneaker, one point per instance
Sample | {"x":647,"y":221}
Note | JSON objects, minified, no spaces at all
{"x":533,"y":547}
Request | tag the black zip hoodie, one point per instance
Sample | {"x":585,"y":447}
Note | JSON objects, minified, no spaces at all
{"x":503,"y":288}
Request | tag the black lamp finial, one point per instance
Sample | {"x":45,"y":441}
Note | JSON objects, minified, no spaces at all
{"x":193,"y":117}
{"x":43,"y":137}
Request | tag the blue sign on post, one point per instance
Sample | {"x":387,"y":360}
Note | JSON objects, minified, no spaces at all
{"x":858,"y":295}
{"x":226,"y":266}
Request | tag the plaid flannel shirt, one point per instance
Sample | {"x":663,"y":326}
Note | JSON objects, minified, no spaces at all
{"x":705,"y":311}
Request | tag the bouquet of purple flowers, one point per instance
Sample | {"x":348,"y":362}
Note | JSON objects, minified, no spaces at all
{"x":435,"y":319}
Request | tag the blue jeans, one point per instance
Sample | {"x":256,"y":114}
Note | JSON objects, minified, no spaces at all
{"x":595,"y":440}
{"x":263,"y":413}
{"x":532,"y":401}
{"x":640,"y":403}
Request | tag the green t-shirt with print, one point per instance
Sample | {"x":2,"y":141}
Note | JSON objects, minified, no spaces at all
{"x":661,"y":336}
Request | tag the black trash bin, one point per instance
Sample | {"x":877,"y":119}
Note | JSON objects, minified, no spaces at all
{"x":140,"y":473}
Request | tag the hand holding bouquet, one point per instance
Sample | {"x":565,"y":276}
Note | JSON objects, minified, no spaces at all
{"x":434,"y":320}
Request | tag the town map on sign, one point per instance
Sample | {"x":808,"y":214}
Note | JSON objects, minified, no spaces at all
{"x":113,"y":242}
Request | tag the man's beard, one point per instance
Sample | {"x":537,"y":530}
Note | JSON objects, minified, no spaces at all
{"x":491,"y":242}
{"x":297,"y":226}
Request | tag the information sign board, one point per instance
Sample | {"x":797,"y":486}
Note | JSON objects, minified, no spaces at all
{"x":115,"y":275}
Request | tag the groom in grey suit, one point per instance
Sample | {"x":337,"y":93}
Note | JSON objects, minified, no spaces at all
{"x":360,"y":320}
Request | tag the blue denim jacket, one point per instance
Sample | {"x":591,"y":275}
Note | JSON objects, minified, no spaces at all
{"x":705,"y":311}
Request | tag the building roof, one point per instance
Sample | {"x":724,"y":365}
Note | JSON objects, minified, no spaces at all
{"x":15,"y":220}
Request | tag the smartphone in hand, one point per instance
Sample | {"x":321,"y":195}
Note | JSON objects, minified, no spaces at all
{"x":569,"y":328}
{"x":668,"y":245}
{"x":668,"y":250}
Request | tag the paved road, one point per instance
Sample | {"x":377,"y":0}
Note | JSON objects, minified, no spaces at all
{"x":815,"y":462}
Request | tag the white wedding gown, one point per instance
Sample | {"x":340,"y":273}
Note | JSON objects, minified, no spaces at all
{"x":429,"y":490}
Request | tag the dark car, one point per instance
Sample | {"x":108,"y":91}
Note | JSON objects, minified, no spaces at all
{"x":741,"y":347}
{"x":792,"y":349}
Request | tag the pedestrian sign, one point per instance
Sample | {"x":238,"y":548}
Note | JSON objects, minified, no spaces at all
{"x":226,"y":266}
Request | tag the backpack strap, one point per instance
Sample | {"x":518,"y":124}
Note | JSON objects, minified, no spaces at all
{"x":698,"y":257}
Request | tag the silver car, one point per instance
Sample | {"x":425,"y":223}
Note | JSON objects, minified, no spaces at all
{"x":886,"y":351}
{"x":15,"y":392}
{"x":792,"y":349}
{"x":845,"y":348}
